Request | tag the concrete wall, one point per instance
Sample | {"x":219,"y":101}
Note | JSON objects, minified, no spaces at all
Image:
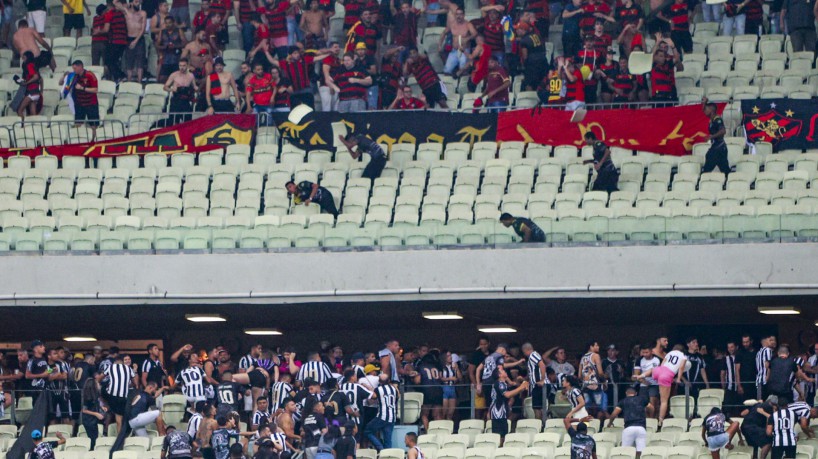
{"x":683,"y":270}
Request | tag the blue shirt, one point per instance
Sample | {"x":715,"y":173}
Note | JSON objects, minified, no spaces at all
{"x":570,"y":26}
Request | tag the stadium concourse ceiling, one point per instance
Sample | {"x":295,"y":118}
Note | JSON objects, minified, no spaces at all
{"x":145,"y":322}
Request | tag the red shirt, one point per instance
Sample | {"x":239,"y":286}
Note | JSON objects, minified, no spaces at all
{"x":575,"y":90}
{"x":262,"y":33}
{"x":586,"y":23}
{"x":282,"y":99}
{"x":118,"y":32}
{"x":411,"y":104}
{"x":82,"y":97}
{"x":264,"y":82}
{"x":277,"y":19}
{"x":99,"y":22}
{"x":494,"y":80}
{"x":200,"y":20}
{"x":406,"y":28}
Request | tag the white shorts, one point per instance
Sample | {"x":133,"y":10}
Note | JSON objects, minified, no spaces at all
{"x":34,"y":97}
{"x":36,"y":19}
{"x":574,"y":105}
{"x":635,"y":436}
{"x":581,"y":414}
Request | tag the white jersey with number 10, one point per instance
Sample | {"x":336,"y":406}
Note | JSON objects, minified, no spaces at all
{"x":674,"y":360}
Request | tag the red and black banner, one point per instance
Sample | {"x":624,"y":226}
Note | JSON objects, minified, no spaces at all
{"x":668,"y":131}
{"x":206,"y":133}
{"x":788,"y":124}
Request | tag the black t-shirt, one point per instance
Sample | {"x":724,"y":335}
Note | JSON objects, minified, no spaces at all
{"x":755,"y":418}
{"x":582,"y":445}
{"x":81,"y":373}
{"x":335,"y":404}
{"x":696,"y":366}
{"x":716,"y":125}
{"x":144,"y":402}
{"x":535,"y":46}
{"x":499,"y":402}
{"x":633,"y":410}
{"x":490,"y":365}
{"x":477,"y":357}
{"x":312,"y":429}
{"x":345,"y":447}
{"x":228,"y":394}
{"x":747,"y":359}
{"x":615,"y":370}
{"x":93,"y":406}
{"x":38,"y":366}
{"x":780,"y":372}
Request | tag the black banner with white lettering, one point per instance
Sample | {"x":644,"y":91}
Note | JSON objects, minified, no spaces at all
{"x":315,"y":131}
{"x":788,"y":124}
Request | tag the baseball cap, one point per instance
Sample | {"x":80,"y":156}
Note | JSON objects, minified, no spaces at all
{"x":360,"y":45}
{"x":36,"y":435}
{"x":370,"y":368}
{"x":357,"y":356}
{"x":612,"y":346}
{"x":36,"y":343}
{"x":79,"y":355}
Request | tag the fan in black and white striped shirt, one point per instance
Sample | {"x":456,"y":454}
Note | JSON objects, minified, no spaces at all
{"x":763,"y":357}
{"x":281,"y":391}
{"x":781,"y":426}
{"x":356,"y":394}
{"x":730,"y":379}
{"x":120,"y":379}
{"x":196,"y":419}
{"x":803,"y":413}
{"x":251,"y":359}
{"x":193,"y":379}
{"x":387,"y":415}
{"x":261,"y":415}
{"x":536,"y":377}
{"x":314,"y":369}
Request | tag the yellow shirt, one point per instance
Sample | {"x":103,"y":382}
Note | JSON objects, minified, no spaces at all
{"x":75,"y":4}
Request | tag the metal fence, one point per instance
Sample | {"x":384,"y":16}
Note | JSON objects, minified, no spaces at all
{"x":32,"y":134}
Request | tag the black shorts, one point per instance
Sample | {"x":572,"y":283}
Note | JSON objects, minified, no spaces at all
{"x":117,"y":404}
{"x":780,"y":452}
{"x":433,"y":396}
{"x":434,"y":94}
{"x":223,"y":106}
{"x":74,"y":21}
{"x":649,"y":391}
{"x":499,"y":426}
{"x":536,"y":397}
{"x":756,"y":436}
{"x":43,"y":60}
{"x":89,"y":113}
{"x":257,"y":379}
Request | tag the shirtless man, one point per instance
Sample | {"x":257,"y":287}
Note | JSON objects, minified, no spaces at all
{"x":199,"y":54}
{"x":447,"y":7}
{"x":462,"y":32}
{"x":315,"y":25}
{"x":27,"y":39}
{"x":284,"y":420}
{"x":206,"y":427}
{"x":182,"y":87}
{"x":216,"y":89}
{"x":135,"y":20}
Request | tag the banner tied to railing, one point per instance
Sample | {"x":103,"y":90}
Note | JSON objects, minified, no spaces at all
{"x":206,"y":133}
{"x":785,"y":123}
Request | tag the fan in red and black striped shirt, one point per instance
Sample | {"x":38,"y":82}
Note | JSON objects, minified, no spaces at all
{"x":32,"y":81}
{"x":84,"y":93}
{"x":275,"y":15}
{"x":427,"y":78}
{"x":352,"y":12}
{"x":365,"y":31}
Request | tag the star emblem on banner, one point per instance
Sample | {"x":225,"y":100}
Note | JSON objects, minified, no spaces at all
{"x":789,"y":113}
{"x":756,"y":110}
{"x":772,"y":105}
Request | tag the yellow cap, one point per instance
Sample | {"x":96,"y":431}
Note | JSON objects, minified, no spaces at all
{"x":360,"y":45}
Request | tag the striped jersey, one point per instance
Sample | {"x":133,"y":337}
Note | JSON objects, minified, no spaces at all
{"x":280,"y":437}
{"x":193,"y":424}
{"x":387,"y":403}
{"x":534,"y":374}
{"x":765,"y":354}
{"x":801,"y":409}
{"x":783,"y":422}
{"x":799,"y":362}
{"x":119,"y":377}
{"x":154,"y":370}
{"x":260,"y":417}
{"x":318,"y":371}
{"x":356,"y":394}
{"x":193,"y":380}
{"x":281,"y":391}
{"x":246,"y":362}
{"x":730,"y":376}
{"x":574,"y":396}
{"x":446,"y":373}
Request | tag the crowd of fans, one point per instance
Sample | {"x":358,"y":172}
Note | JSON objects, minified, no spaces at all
{"x":289,"y":56}
{"x":303,"y":404}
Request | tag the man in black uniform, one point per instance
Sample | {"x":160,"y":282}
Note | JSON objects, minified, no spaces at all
{"x":533,"y":56}
{"x":336,"y":403}
{"x":754,"y":426}
{"x":717,"y":154}
{"x":607,"y":177}
{"x":636,"y":410}
{"x":782,"y":370}
{"x":307,"y":192}
{"x":366,"y":145}
{"x":228,"y":395}
{"x":524,"y":228}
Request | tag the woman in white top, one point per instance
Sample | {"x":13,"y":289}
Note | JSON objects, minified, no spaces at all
{"x":673,"y":365}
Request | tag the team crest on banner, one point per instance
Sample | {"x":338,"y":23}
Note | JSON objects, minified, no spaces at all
{"x":224,"y":134}
{"x":771,"y":126}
